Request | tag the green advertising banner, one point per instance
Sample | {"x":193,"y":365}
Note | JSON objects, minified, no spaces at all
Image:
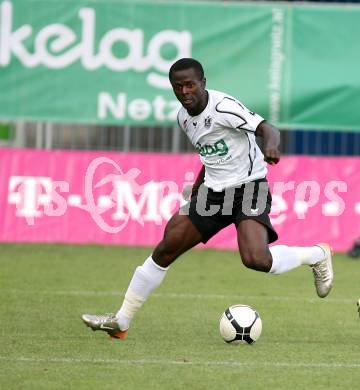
{"x":107,"y":61}
{"x":324,"y":68}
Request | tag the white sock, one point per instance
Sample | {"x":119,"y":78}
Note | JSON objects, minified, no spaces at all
{"x":286,"y":258}
{"x":145,"y":279}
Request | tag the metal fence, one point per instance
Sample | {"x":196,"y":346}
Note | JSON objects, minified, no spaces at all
{"x":45,"y":135}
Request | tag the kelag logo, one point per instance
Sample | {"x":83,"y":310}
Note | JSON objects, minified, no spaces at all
{"x":57,"y":46}
{"x":124,"y":63}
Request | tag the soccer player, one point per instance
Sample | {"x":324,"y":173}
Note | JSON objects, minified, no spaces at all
{"x":231,"y":188}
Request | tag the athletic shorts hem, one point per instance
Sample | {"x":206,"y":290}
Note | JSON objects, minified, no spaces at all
{"x":210,"y":225}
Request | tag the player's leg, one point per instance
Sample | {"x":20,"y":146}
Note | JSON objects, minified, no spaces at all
{"x":255,"y":253}
{"x":180,"y":235}
{"x":252,"y":239}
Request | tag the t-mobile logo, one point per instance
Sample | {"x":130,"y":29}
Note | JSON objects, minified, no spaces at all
{"x":28,"y":194}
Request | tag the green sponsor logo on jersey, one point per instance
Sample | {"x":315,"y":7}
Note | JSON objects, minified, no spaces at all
{"x":219,"y":148}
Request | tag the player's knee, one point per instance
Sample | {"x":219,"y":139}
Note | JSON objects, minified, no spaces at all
{"x":258,"y":260}
{"x":167,"y":250}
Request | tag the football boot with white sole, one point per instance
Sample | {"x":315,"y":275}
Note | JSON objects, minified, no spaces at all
{"x":323,"y":272}
{"x":106,"y":323}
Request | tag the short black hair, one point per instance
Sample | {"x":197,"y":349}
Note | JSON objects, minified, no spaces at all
{"x":187,"y":63}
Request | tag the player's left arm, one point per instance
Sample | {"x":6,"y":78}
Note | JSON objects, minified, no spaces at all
{"x":271,"y":137}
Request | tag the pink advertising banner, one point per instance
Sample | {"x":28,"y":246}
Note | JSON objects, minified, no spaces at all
{"x":127,"y":198}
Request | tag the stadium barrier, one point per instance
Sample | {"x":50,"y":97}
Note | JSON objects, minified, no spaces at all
{"x":127,"y":198}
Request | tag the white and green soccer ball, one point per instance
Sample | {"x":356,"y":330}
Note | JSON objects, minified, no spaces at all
{"x":240,"y":324}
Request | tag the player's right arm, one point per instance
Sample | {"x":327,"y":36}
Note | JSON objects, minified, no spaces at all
{"x":192,"y":189}
{"x":199,"y":180}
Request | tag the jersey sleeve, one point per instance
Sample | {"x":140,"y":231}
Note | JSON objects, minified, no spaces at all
{"x":232,"y":113}
{"x":180,"y":119}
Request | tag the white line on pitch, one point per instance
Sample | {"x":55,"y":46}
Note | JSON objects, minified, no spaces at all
{"x":140,"y":362}
{"x":177,"y":295}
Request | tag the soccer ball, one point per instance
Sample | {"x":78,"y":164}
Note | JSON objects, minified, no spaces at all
{"x":240,"y":324}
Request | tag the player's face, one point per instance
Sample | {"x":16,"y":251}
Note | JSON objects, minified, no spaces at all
{"x":189,"y":89}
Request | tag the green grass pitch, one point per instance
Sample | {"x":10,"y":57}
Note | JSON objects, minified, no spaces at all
{"x":174,"y":343}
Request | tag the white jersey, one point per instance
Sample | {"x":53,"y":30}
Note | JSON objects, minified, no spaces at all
{"x":224,"y":136}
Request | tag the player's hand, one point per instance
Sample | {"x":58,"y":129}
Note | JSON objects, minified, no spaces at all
{"x":187,"y":191}
{"x":271,"y":155}
{"x":271,"y":142}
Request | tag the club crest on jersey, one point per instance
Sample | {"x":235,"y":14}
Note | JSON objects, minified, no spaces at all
{"x":208,"y":121}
